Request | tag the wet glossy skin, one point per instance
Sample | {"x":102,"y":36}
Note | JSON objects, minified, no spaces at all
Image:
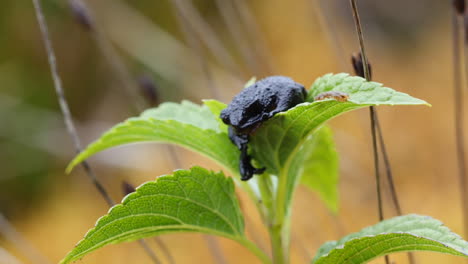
{"x":253,"y":106}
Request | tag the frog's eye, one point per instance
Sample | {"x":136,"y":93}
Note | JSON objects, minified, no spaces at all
{"x":253,"y":109}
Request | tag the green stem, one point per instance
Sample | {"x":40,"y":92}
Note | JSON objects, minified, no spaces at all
{"x":265,"y":208}
{"x":279,"y":243}
{"x":266,"y":192}
{"x":280,"y":231}
{"x":277,"y":223}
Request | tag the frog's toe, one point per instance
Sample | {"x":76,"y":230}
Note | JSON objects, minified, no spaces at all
{"x":259,"y":170}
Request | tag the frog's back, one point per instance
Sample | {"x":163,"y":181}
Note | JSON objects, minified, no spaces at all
{"x":261,"y":100}
{"x":288,"y":92}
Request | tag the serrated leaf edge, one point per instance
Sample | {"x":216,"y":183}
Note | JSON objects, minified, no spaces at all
{"x":435,"y":221}
{"x":166,"y":229}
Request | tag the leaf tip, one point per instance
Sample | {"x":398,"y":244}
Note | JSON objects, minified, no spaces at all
{"x":250,"y":82}
{"x":71,"y":166}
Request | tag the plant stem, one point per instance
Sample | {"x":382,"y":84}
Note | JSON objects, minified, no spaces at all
{"x":391,"y":182}
{"x":458,"y":113}
{"x":376,"y":162}
{"x":63,"y":102}
{"x":67,"y":115}
{"x":215,"y":249}
{"x":278,"y":244}
{"x":267,"y":202}
{"x":330,"y":30}
{"x":278,"y":228}
{"x":86,"y":16}
{"x":365,"y":64}
{"x":357,"y":22}
{"x":388,"y":168}
{"x":149,"y":251}
{"x":165,"y":250}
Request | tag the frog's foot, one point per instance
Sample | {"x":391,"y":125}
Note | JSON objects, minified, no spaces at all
{"x":259,"y":170}
{"x":247,"y":170}
{"x":245,"y":166}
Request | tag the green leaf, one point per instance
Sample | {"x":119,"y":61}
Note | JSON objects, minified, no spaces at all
{"x":279,"y":143}
{"x":361,"y":91}
{"x":320,"y":173}
{"x":250,"y":82}
{"x":403,"y":233}
{"x":195,"y":200}
{"x":185,"y":112}
{"x":216,"y":107}
{"x":198,"y":128}
{"x":186,"y":124}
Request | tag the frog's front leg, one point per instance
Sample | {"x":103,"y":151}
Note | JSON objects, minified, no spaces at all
{"x":245,"y":167}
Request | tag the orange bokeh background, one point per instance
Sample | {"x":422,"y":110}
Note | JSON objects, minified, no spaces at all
{"x":409,"y":46}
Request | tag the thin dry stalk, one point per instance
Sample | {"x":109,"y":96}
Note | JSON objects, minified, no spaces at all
{"x":87,"y":19}
{"x":63,"y":102}
{"x":333,"y":39}
{"x":165,"y":250}
{"x":365,"y":64}
{"x":215,"y":249}
{"x":388,"y":167}
{"x":458,"y":103}
{"x":67,"y":115}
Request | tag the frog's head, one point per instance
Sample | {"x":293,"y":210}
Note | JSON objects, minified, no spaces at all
{"x":250,"y":116}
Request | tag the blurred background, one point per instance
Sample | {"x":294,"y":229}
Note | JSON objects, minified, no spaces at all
{"x":131,"y":55}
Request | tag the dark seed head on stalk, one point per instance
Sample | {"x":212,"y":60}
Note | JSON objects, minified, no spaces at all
{"x":127,"y":188}
{"x":81,"y":14}
{"x":358,"y":66}
{"x":459,"y":6}
{"x":148,"y":89}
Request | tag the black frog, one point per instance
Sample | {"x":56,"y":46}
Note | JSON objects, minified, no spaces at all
{"x":254,"y":105}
